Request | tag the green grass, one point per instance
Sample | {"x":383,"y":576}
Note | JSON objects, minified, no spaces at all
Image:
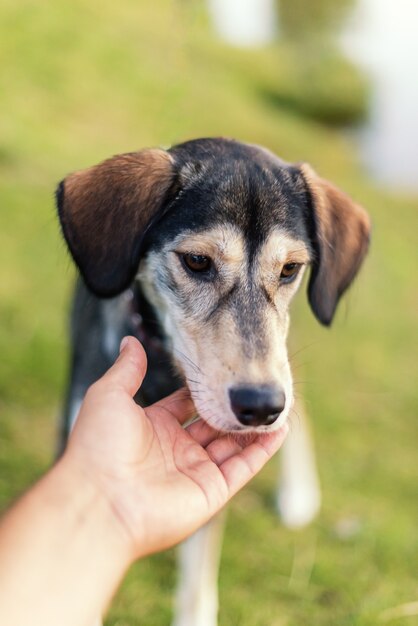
{"x":84,"y":80}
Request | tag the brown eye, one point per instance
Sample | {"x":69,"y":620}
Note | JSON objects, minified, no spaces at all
{"x":197,"y":262}
{"x":289,"y":272}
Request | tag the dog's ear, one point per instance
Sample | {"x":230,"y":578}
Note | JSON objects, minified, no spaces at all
{"x":105,"y":211}
{"x":340,"y":238}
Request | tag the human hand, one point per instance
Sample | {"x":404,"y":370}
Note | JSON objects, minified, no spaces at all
{"x":161,"y":481}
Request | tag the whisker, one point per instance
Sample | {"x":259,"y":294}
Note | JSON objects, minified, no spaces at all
{"x":309,"y":345}
{"x":298,"y":365}
{"x":293,"y":410}
{"x":189,"y":360}
{"x":199,"y":383}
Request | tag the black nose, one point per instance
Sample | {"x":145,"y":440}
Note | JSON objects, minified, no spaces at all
{"x":257,"y":405}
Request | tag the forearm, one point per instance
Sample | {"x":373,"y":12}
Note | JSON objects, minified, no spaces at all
{"x":62,"y":553}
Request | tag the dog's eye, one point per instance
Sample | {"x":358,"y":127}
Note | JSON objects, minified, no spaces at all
{"x":197,"y":262}
{"x":289,"y":272}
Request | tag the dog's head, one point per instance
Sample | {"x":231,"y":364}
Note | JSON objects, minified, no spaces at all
{"x":219,"y":234}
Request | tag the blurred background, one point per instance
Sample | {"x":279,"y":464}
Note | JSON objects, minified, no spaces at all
{"x":332,"y":82}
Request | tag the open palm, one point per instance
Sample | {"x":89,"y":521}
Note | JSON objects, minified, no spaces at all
{"x":162,"y":481}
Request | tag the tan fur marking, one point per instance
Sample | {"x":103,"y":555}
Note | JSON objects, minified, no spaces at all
{"x":343,"y":231}
{"x":99,"y":204}
{"x":136,"y":172}
{"x":332,"y":203}
{"x":224,"y":242}
{"x":279,"y":249}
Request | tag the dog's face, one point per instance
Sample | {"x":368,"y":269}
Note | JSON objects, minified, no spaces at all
{"x":219,"y":235}
{"x":225,"y":310}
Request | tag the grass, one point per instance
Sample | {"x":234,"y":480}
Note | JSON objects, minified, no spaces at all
{"x":84,"y":80}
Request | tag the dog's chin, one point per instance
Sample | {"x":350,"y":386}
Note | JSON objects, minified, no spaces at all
{"x":238,"y":429}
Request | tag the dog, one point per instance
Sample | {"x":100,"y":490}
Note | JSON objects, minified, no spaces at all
{"x":198,"y":250}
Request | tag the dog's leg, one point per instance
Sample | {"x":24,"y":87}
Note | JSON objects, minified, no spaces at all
{"x":299,"y":494}
{"x":197,"y":591}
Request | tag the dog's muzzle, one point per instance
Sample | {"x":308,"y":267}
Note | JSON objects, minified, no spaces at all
{"x":257,"y":405}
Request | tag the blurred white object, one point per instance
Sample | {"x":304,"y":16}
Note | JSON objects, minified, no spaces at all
{"x":382,"y":38}
{"x":244,"y":23}
{"x":299,"y":492}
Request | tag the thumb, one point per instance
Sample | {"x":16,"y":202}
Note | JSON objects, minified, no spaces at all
{"x":129,"y":369}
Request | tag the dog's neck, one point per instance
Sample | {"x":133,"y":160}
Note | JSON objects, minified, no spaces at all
{"x":145,"y":324}
{"x":161,"y":378}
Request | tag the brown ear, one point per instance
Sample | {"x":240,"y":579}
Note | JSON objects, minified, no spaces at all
{"x":340,"y":239}
{"x":105,"y":212}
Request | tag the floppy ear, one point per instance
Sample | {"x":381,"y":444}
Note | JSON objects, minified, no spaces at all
{"x":105,"y":211}
{"x":341,"y":232}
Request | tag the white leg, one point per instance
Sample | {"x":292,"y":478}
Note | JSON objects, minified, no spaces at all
{"x":299,"y":493}
{"x":197,"y":590}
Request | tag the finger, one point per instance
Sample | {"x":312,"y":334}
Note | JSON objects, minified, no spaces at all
{"x":223,"y":448}
{"x":202,"y":433}
{"x":129,"y":369}
{"x":179,"y":405}
{"x":239,"y":468}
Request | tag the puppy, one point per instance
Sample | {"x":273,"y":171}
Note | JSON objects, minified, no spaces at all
{"x":198,"y":250}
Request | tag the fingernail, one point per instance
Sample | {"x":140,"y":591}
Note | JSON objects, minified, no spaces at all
{"x":123,"y":344}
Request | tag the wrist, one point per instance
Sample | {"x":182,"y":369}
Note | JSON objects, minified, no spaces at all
{"x":91,"y":510}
